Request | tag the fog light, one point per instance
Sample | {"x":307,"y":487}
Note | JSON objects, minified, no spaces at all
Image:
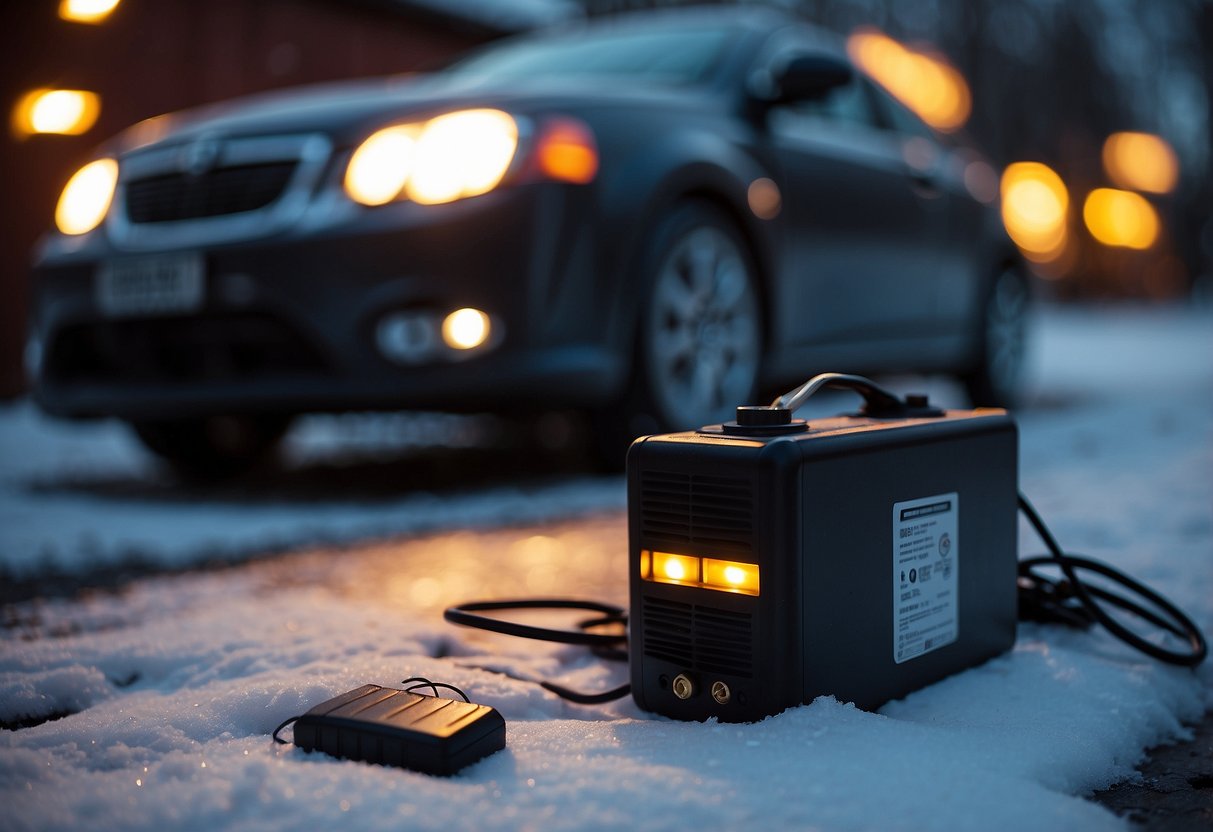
{"x":465,"y":329}
{"x":407,"y":337}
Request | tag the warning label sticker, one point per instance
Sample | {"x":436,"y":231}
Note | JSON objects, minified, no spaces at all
{"x":925,"y":553}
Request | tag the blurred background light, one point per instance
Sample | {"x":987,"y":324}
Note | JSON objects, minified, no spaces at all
{"x":1035,"y":206}
{"x":1140,"y":162}
{"x":61,"y":112}
{"x":764,"y":198}
{"x":86,"y":11}
{"x":981,"y":181}
{"x":1120,"y":218}
{"x":926,"y":83}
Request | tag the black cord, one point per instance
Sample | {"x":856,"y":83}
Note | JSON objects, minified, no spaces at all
{"x":422,"y":682}
{"x":285,"y":723}
{"x":1074,"y":603}
{"x":610,"y":646}
{"x":465,"y":614}
{"x":414,"y":682}
{"x":564,"y":693}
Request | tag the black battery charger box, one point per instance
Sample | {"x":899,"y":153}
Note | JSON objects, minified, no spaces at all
{"x":854,"y":556}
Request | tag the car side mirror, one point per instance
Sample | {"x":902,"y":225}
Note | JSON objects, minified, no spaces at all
{"x":808,"y":77}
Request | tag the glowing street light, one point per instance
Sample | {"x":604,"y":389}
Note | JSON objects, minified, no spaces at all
{"x":926,"y":83}
{"x":1141,"y":162}
{"x":61,"y":112}
{"x":1120,"y":218}
{"x":86,"y":11}
{"x":1035,"y":206}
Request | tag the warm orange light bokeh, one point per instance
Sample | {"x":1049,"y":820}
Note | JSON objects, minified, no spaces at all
{"x":1035,"y":207}
{"x":1141,"y":162}
{"x":60,"y":112}
{"x":764,"y":198}
{"x":86,"y":11}
{"x":1120,"y":218}
{"x":567,"y":152}
{"x":925,"y":83}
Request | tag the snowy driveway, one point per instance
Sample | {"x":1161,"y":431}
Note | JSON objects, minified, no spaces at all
{"x":167,"y":690}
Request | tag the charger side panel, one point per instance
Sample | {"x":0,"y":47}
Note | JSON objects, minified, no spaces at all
{"x":849,"y":489}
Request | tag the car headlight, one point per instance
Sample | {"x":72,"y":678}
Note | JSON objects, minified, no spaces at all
{"x":449,"y":157}
{"x":86,"y":197}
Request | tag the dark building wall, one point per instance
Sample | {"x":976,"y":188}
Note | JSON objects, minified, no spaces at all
{"x":154,"y":56}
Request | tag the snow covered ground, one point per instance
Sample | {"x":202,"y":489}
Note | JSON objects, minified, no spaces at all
{"x":167,"y":690}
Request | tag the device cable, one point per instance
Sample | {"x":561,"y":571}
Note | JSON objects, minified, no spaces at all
{"x":1073,"y":602}
{"x":609,"y":646}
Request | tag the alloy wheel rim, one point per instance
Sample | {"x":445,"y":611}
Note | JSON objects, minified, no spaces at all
{"x":703,"y":344}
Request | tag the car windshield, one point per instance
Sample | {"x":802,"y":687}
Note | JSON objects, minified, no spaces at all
{"x":669,"y":58}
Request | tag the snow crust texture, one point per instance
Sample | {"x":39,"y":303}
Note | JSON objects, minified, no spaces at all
{"x":158,"y":700}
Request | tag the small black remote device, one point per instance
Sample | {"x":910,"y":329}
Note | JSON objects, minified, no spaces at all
{"x":401,"y":728}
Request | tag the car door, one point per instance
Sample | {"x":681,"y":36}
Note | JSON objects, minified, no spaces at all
{"x":938,"y":171}
{"x":862,"y":237}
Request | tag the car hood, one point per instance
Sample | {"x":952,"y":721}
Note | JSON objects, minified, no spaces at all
{"x":347,"y":111}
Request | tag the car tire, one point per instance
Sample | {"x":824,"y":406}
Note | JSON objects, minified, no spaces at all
{"x":997,"y":378}
{"x":699,"y":333}
{"x":215,"y":447}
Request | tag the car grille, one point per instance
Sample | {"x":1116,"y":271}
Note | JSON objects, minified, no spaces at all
{"x":175,"y":196}
{"x":216,"y":348}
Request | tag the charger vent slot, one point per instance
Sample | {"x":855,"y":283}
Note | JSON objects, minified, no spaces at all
{"x":710,"y":513}
{"x":701,"y":638}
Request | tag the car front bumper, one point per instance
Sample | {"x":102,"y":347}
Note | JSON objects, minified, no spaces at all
{"x":288,"y":323}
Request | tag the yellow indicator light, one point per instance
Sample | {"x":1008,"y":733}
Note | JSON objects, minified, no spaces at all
{"x":707,"y":573}
{"x":567,"y":152}
{"x":1141,"y":162}
{"x":730,"y":575}
{"x":674,"y":569}
{"x":1035,"y":207}
{"x":86,"y":197}
{"x":1120,"y":218}
{"x":86,"y":11}
{"x":465,"y":329}
{"x":924,"y":82}
{"x":58,"y":112}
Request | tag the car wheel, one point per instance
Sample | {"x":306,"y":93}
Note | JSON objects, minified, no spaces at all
{"x":215,"y":447}
{"x":998,"y":376}
{"x":699,"y":338}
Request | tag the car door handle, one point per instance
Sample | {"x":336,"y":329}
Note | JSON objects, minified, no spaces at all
{"x":923,"y":183}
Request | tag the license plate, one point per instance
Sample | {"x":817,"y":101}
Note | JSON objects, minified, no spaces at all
{"x":150,"y":286}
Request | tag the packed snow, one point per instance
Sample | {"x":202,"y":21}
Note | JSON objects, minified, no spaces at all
{"x":87,"y":496}
{"x":159,"y":699}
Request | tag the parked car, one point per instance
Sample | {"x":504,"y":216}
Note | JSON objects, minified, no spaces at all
{"x":653,"y":218}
